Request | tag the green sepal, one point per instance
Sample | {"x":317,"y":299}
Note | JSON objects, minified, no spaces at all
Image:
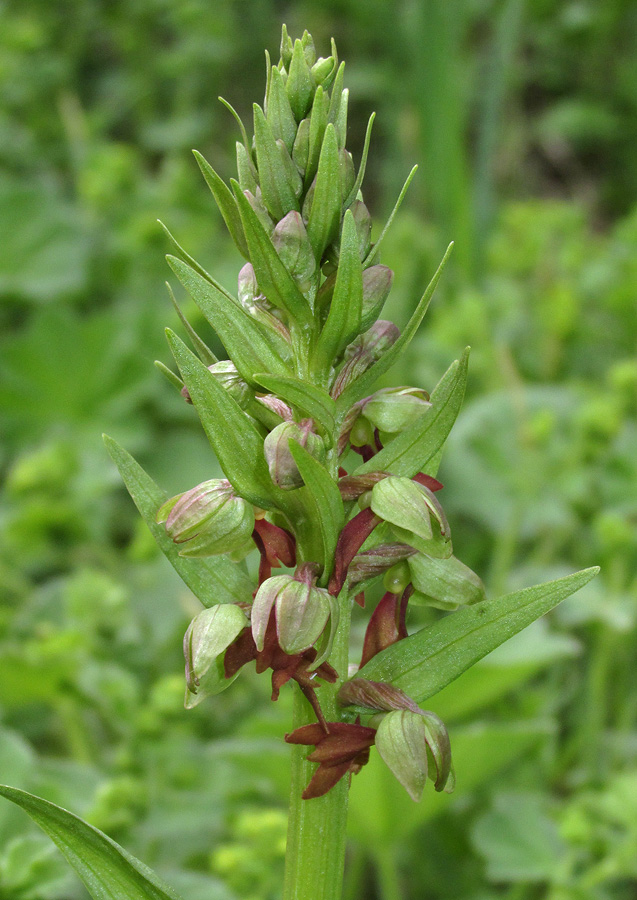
{"x":225,"y":201}
{"x":250,"y":346}
{"x":277,"y":192}
{"x":373,"y":253}
{"x":107,"y":870}
{"x":279,"y":112}
{"x":213,"y":581}
{"x":311,"y":400}
{"x":423,"y":664}
{"x":362,"y":386}
{"x":363,"y":164}
{"x":325,"y":499}
{"x":411,"y":451}
{"x":300,"y":83}
{"x":236,"y":442}
{"x":325,"y":213}
{"x":318,"y":124}
{"x":273,"y":278}
{"x":344,"y":318}
{"x":202,"y":350}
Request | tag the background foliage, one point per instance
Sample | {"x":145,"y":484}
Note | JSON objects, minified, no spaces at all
{"x":523,"y":116}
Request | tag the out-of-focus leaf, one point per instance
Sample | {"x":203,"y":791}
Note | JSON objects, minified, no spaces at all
{"x":424,"y":663}
{"x":107,"y":870}
{"x":216,"y":580}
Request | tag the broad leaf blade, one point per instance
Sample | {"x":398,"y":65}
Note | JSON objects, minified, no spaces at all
{"x":420,"y":443}
{"x":213,"y":581}
{"x":251,"y":348}
{"x":421,"y":665}
{"x":362,"y":386}
{"x":273,"y":278}
{"x":324,"y":495}
{"x":236,"y":442}
{"x":344,"y":318}
{"x":108,"y":871}
{"x":312,"y":400}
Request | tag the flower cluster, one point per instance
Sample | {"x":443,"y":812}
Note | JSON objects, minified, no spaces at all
{"x":288,"y":414}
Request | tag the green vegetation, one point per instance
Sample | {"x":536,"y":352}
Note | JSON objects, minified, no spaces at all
{"x":523,"y":117}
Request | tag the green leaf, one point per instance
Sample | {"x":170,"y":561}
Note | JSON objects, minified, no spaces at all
{"x":236,"y":442}
{"x":202,"y":350}
{"x":107,"y":870}
{"x":421,"y":665}
{"x":325,"y":213}
{"x":272,"y":277}
{"x":361,"y":169}
{"x":184,"y":256}
{"x":344,"y":318}
{"x":362,"y":386}
{"x":279,"y":113}
{"x":410,"y":452}
{"x":323,"y":494}
{"x":226,"y":203}
{"x":312,"y":400}
{"x":318,"y":124}
{"x":213,"y":581}
{"x":250,"y":346}
{"x":375,"y":249}
{"x":278,"y":194}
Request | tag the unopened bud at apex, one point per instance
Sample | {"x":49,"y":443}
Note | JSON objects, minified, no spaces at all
{"x":295,"y":251}
{"x":377,"y":282}
{"x":363,"y":352}
{"x":443,"y":583}
{"x":208,"y":637}
{"x":226,"y":374}
{"x":404,"y":738}
{"x":414,"y":514}
{"x":392,"y":409}
{"x":208,"y":519}
{"x":283,"y":470}
{"x":379,"y":560}
{"x":301,"y":613}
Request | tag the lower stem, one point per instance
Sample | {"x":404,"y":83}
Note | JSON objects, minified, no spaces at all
{"x":315,"y":854}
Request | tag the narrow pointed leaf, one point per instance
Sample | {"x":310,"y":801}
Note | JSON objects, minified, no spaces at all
{"x":273,"y":278}
{"x":373,"y":253}
{"x":236,"y":442}
{"x":213,"y":581}
{"x":237,"y":117}
{"x":313,"y":401}
{"x":324,"y":496}
{"x":325,"y":213}
{"x":279,"y":112}
{"x":421,"y":665}
{"x":175,"y":380}
{"x":250,"y":346}
{"x":185,"y":257}
{"x":344,"y":318}
{"x":362,"y":386}
{"x":363,"y":165}
{"x":108,"y":871}
{"x":418,"y":445}
{"x":202,"y":350}
{"x":318,"y":124}
{"x":276,"y":190}
{"x":225,"y":201}
{"x":336,"y":94}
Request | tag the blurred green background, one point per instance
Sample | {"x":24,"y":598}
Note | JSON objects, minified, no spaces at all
{"x":523,"y":118}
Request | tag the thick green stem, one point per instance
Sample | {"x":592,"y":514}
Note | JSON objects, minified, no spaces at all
{"x":315,"y":855}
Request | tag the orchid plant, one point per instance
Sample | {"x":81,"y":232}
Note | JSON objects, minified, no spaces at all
{"x":328,"y":482}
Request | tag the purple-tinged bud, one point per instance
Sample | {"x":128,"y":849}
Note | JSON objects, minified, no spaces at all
{"x":352,"y":486}
{"x":248,"y":289}
{"x":283,"y":470}
{"x":403,"y":738}
{"x":377,"y":561}
{"x":347,"y":173}
{"x":414,"y":514}
{"x":444,"y":583}
{"x":377,"y":282}
{"x":257,"y":305}
{"x":208,"y":637}
{"x":363,"y":352}
{"x":363,"y":221}
{"x":226,"y":374}
{"x":295,"y":251}
{"x":374,"y":695}
{"x":301,"y":613}
{"x":208,"y":519}
{"x":391,"y":410}
{"x":277,"y":406}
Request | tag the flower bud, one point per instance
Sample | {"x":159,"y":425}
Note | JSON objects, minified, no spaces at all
{"x":377,"y":282}
{"x":257,"y":305}
{"x":256,"y":202}
{"x":443,"y":583}
{"x":377,"y":561}
{"x":403,"y":740}
{"x":347,"y":173}
{"x":226,"y":374}
{"x":301,"y":613}
{"x":283,"y":470}
{"x":208,"y":637}
{"x":414,"y":514}
{"x":208,"y":519}
{"x":323,"y":67}
{"x":374,"y":695}
{"x":364,"y":351}
{"x":392,"y":409}
{"x":295,"y":251}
